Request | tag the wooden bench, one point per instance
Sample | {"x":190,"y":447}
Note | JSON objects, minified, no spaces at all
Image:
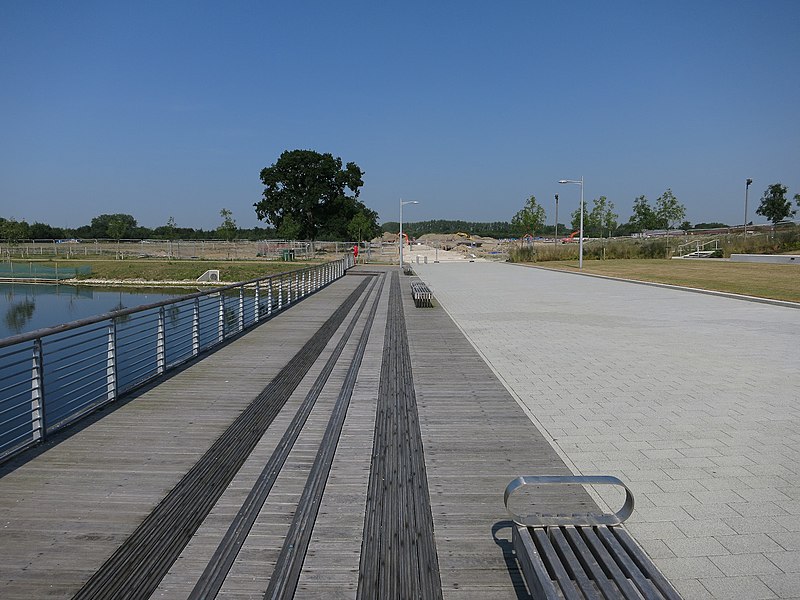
{"x":576,"y":556}
{"x":422,"y":295}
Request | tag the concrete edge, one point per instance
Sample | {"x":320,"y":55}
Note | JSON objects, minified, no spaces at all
{"x":783,"y":303}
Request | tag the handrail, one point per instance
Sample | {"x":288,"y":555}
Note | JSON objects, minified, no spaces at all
{"x":45,"y":388}
{"x":38,"y":333}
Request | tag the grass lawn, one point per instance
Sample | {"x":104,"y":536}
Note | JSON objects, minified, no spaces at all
{"x":780,"y":282}
{"x":176,"y":270}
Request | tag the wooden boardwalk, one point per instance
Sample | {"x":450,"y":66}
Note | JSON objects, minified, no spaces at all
{"x":456,"y":437}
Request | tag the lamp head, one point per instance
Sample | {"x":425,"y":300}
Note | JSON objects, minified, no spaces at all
{"x":749,"y":181}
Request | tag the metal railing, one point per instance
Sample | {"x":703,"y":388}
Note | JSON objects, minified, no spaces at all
{"x":53,"y":377}
{"x":697,"y":248}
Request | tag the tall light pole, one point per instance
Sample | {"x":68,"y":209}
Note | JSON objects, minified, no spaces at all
{"x":555,"y":236}
{"x":401,"y":227}
{"x":746,"y":189}
{"x":580,"y":251}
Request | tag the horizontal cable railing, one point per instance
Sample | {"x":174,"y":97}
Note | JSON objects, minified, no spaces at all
{"x":53,"y":377}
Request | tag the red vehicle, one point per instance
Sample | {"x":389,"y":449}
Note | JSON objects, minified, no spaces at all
{"x":571,"y":237}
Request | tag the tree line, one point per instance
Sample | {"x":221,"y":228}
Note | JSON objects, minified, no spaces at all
{"x":666,"y":213}
{"x":122,"y":226}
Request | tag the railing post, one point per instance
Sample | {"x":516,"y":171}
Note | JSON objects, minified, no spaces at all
{"x":111,"y":362}
{"x":296,"y":285}
{"x":196,"y":327}
{"x":241,"y":308}
{"x":38,"y":425}
{"x":221,"y":318}
{"x":269,"y":298}
{"x":303,"y":283}
{"x":256,"y":306}
{"x":161,"y":347}
{"x":280,"y":292}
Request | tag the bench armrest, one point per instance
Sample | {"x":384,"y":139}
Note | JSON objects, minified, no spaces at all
{"x":546,"y":520}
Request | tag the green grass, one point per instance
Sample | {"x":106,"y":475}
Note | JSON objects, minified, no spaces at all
{"x":779,"y":282}
{"x":182,"y":270}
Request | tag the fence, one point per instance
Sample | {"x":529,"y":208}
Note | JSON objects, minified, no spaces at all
{"x":173,"y":249}
{"x":39,"y":272}
{"x":53,"y":377}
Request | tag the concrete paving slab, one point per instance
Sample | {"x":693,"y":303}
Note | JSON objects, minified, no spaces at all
{"x":692,"y":396}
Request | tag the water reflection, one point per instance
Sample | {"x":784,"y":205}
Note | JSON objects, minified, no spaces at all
{"x":27,"y":307}
{"x":18,"y":315}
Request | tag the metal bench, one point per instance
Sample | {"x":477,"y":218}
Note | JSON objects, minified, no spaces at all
{"x":422,"y":295}
{"x":583,"y":555}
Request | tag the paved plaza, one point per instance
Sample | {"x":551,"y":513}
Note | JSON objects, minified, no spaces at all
{"x":692,"y":399}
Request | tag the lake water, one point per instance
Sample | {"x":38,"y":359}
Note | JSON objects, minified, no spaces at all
{"x":27,"y":307}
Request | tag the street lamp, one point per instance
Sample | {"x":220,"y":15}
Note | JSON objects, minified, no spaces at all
{"x":555,"y":236}
{"x":746,"y":189}
{"x":580,"y":251}
{"x":402,"y":203}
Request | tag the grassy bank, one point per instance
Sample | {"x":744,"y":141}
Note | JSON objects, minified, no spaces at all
{"x":163,"y":270}
{"x":779,"y":282}
{"x":784,"y":240}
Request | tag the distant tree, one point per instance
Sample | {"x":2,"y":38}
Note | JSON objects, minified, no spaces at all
{"x":602,"y":220}
{"x":774,"y":204}
{"x":530,"y":218}
{"x":575,"y":221}
{"x":312,"y":188}
{"x":171,"y":228}
{"x":685,"y":225}
{"x":117,"y":228}
{"x":361,"y":228}
{"x":227,"y":230}
{"x":712,"y":225}
{"x":99,"y":227}
{"x":669,"y":212}
{"x":643,"y":217}
{"x":43,"y":231}
{"x":14,"y":231}
{"x":797,"y":199}
{"x":289,"y":229}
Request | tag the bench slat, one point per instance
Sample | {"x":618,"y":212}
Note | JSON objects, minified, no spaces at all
{"x":554,"y":564}
{"x":646,"y":565}
{"x":609,"y":563}
{"x":628,"y":566}
{"x":532,"y":566}
{"x":571,"y":562}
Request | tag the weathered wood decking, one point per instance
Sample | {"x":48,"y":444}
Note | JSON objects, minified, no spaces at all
{"x":66,"y":509}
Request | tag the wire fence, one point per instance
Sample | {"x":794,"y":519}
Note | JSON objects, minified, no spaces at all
{"x":39,"y":272}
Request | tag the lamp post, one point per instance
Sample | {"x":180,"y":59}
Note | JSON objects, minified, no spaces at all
{"x":746,"y":189}
{"x":402,"y":203}
{"x":580,"y":251}
{"x":555,"y":236}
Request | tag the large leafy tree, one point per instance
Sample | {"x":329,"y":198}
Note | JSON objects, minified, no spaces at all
{"x":530,"y":218}
{"x":114,"y":226}
{"x":775,"y":206}
{"x":312,"y":189}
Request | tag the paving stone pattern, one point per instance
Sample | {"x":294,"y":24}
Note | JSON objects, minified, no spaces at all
{"x":692,"y":399}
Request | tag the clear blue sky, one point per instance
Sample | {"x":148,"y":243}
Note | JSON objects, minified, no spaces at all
{"x":163,"y":109}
